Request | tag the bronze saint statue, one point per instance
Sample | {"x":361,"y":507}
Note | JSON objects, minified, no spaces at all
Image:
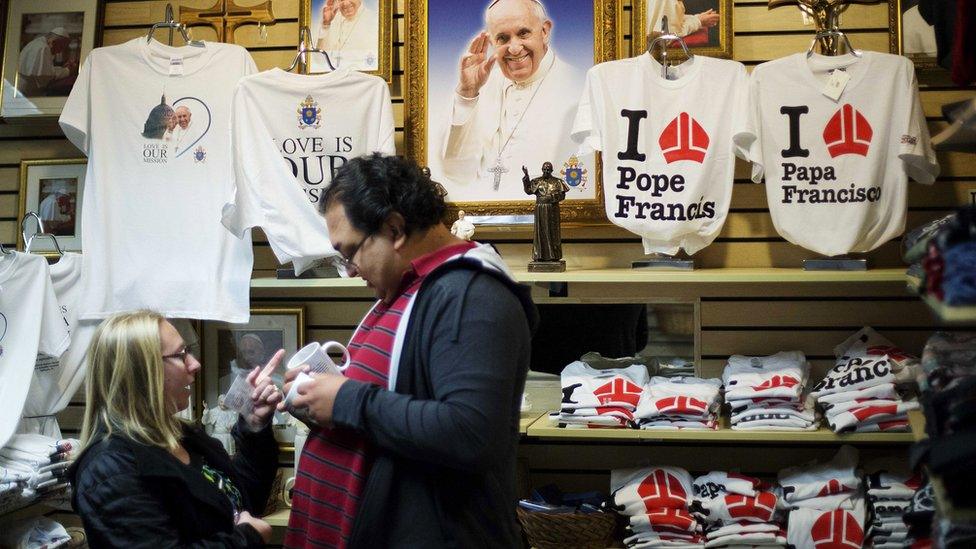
{"x":547,"y":247}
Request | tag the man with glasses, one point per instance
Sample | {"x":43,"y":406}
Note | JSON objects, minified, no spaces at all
{"x":415,"y":444}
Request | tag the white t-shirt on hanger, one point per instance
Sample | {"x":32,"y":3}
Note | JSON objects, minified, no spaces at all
{"x":56,"y":379}
{"x":30,"y":323}
{"x":669,"y":146}
{"x":836,"y":171}
{"x":151,"y":222}
{"x":316,"y":124}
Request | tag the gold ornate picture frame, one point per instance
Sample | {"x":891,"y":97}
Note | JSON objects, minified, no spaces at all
{"x":340,"y":34}
{"x":437,"y":36}
{"x":54,"y":190}
{"x":712,"y":41}
{"x":910,"y":35}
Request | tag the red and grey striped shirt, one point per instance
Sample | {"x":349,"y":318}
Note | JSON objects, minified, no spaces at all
{"x":335,"y":462}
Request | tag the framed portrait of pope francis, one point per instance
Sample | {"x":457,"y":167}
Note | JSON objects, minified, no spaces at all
{"x":493,"y":86}
{"x":357,"y":34}
{"x":704,"y":25}
{"x":45,"y":43}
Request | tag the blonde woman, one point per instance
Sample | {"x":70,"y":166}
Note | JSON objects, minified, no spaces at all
{"x":147,"y":479}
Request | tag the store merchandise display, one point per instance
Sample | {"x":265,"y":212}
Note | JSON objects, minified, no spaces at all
{"x":655,"y":501}
{"x":341,"y":115}
{"x":737,"y":510}
{"x":860,"y":393}
{"x":669,"y":145}
{"x":889,"y":500}
{"x":836,"y":168}
{"x":765,"y":392}
{"x":599,"y":398}
{"x":33,"y":467}
{"x":171,"y":151}
{"x":826,"y":502}
{"x":679,"y":403}
{"x":40,"y":532}
{"x":30,"y":323}
{"x":950,"y":260}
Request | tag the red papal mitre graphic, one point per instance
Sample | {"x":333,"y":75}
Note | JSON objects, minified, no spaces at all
{"x":762,"y":507}
{"x":681,"y":405}
{"x":617,"y":390}
{"x":777,"y":381}
{"x":832,"y":487}
{"x":847,"y":132}
{"x":837,"y":529}
{"x":661,"y":489}
{"x":684,"y":139}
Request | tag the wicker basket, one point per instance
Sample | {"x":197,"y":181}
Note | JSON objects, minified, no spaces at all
{"x":559,"y":531}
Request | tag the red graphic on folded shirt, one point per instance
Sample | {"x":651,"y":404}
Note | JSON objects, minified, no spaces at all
{"x":847,"y":132}
{"x":837,"y":529}
{"x":676,"y":518}
{"x":681,"y":405}
{"x":832,"y":487}
{"x":760,"y":508}
{"x":777,"y":381}
{"x":867,"y":412}
{"x":616,"y":391}
{"x":915,"y":482}
{"x":684,"y":139}
{"x":894,"y":353}
{"x":661,"y":489}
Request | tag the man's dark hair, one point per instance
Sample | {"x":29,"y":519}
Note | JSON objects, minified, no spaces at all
{"x":371,"y":187}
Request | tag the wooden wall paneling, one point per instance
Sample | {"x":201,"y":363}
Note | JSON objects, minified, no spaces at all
{"x":818,"y":342}
{"x":843,"y":311}
{"x":758,"y":18}
{"x":763,"y":47}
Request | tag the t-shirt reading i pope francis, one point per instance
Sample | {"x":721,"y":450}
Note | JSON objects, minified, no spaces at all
{"x":836,"y":171}
{"x":154,"y":121}
{"x":669,"y":145}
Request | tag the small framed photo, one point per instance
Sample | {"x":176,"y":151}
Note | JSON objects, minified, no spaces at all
{"x":912,"y":34}
{"x":53,"y":189}
{"x":233,"y":349}
{"x":46,"y":42}
{"x":357,"y":34}
{"x":704,"y":25}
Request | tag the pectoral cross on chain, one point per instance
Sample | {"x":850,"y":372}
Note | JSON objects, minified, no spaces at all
{"x":498,"y":170}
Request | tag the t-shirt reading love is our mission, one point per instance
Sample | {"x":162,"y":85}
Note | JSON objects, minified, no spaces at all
{"x":291,"y":132}
{"x":154,"y":121}
{"x":837,"y":170}
{"x":669,"y":145}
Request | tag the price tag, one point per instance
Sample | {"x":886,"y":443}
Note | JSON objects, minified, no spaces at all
{"x":835,"y":86}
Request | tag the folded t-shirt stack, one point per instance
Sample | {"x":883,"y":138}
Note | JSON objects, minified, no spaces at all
{"x":679,"y":403}
{"x":599,"y":398}
{"x":655,"y":502}
{"x":825,"y":502}
{"x":737,"y":510}
{"x":859,"y":393}
{"x":889,"y":500}
{"x":765,"y":392}
{"x":32,"y":467}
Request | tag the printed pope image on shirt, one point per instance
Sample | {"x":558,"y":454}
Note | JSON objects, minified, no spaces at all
{"x":50,"y":52}
{"x":58,"y":205}
{"x":349,"y":30}
{"x":179,"y":126}
{"x":504,"y":82}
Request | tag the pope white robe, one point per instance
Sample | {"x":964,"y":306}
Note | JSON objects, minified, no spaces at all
{"x":352,"y":43}
{"x":36,"y":67}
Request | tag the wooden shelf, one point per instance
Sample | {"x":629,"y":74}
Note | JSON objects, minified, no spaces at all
{"x":543,"y":428}
{"x":916,"y":420}
{"x":950,"y":313}
{"x":638,"y":276}
{"x":279,"y":519}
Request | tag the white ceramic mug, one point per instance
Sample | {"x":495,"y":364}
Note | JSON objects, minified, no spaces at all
{"x":316,"y":357}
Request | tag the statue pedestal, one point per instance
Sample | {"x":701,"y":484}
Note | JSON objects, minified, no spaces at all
{"x":547,"y":266}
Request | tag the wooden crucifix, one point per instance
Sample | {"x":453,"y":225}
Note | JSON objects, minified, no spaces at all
{"x":225,"y":16}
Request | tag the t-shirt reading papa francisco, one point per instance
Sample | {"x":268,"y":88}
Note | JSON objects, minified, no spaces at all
{"x":836,"y":171}
{"x":668,"y":145}
{"x":154,"y":121}
{"x":291,"y":132}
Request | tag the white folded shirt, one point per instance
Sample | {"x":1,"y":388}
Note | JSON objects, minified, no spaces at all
{"x":775,"y":425}
{"x":843,"y":500}
{"x":883,"y":390}
{"x":813,"y":529}
{"x":780,"y":375}
{"x":718,"y":483}
{"x":737,"y":508}
{"x":587,"y":387}
{"x":821,"y":479}
{"x":639,"y":490}
{"x":665,"y":519}
{"x":869,"y":415}
{"x":748,"y":539}
{"x":687,"y":397}
{"x":808,"y":416}
{"x":742,"y":528}
{"x":885,"y":485}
